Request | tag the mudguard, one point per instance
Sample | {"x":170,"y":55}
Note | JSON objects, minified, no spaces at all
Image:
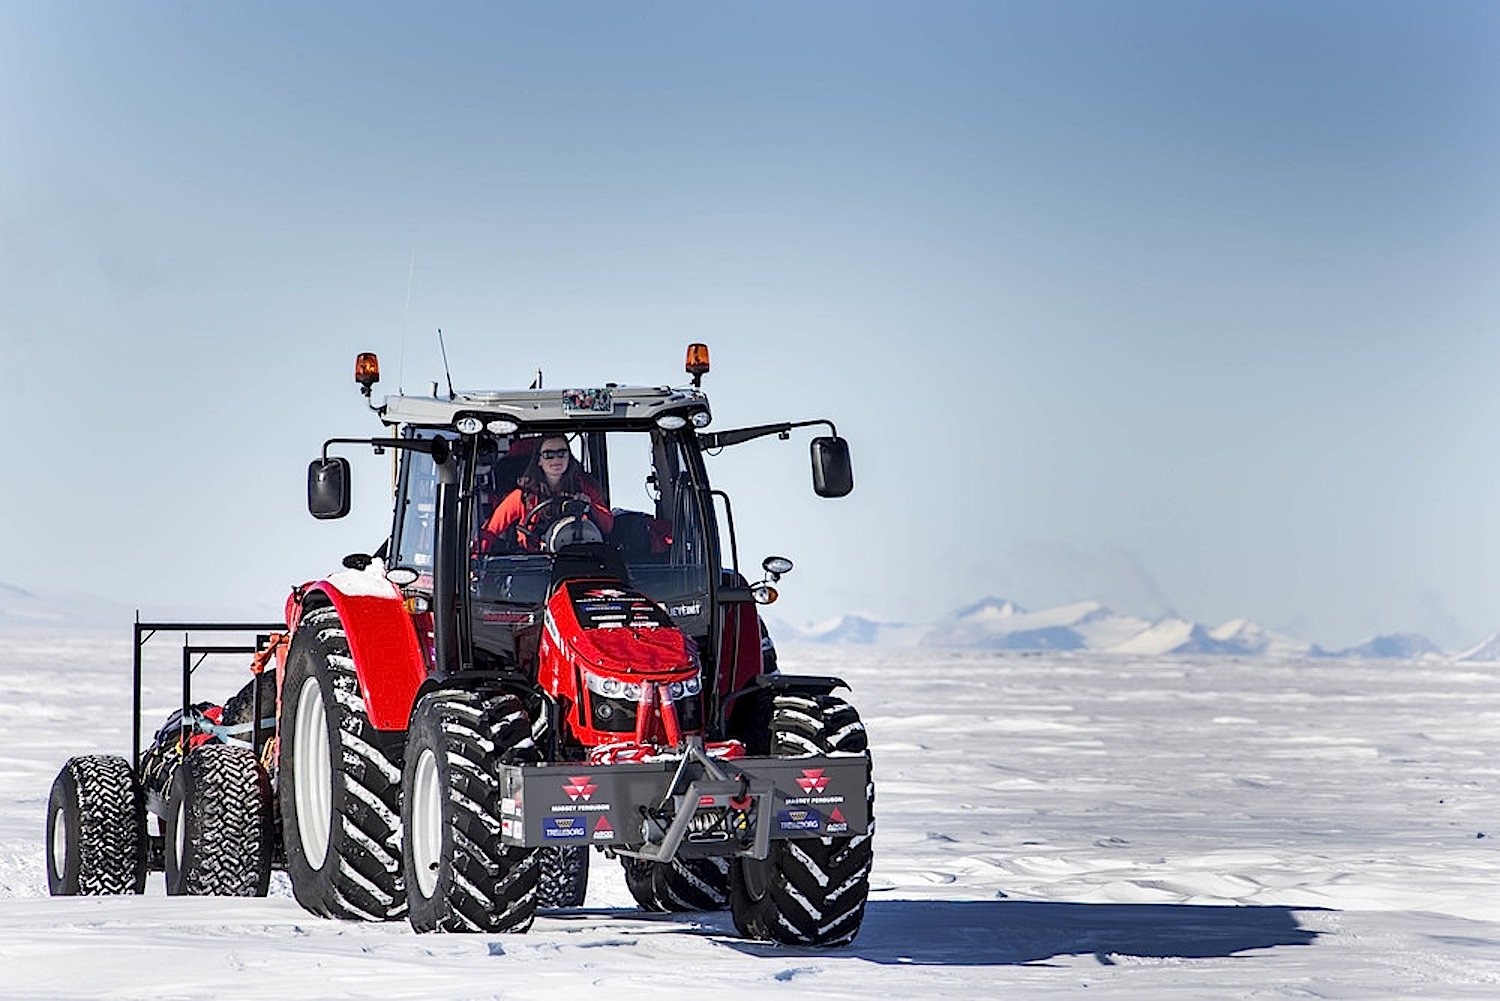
{"x":382,"y":640}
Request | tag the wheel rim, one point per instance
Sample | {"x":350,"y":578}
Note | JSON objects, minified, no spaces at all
{"x":312,"y":767}
{"x":57,"y":844}
{"x":426,"y":834}
{"x":179,"y":834}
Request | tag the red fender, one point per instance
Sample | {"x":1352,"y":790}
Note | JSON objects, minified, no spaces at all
{"x":382,"y":640}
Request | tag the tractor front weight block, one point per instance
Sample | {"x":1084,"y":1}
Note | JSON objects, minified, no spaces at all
{"x":642,"y":810}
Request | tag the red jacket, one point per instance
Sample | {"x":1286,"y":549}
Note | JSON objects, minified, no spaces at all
{"x":515,"y":505}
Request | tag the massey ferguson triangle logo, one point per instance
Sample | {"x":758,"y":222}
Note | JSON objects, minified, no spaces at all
{"x":579,"y":787}
{"x":813,"y":781}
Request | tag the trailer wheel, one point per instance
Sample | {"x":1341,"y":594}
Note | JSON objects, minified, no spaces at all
{"x":694,"y":884}
{"x":96,"y":829}
{"x":460,"y":876}
{"x":339,"y":788}
{"x":808,"y":891}
{"x":562,"y":876}
{"x":217,"y":836}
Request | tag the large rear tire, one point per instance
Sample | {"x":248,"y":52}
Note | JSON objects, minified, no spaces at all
{"x":808,"y":891}
{"x":696,"y":884}
{"x":460,"y":875}
{"x":340,"y":791}
{"x":562,"y":875}
{"x":217,"y":838}
{"x":96,"y":829}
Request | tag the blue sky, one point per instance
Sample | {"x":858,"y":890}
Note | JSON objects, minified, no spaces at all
{"x":1178,"y":305}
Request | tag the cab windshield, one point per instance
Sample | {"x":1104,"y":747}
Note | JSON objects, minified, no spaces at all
{"x":626,"y":496}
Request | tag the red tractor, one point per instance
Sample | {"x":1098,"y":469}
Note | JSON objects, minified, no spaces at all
{"x":512,"y":679}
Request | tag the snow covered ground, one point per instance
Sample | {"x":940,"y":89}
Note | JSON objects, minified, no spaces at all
{"x":1067,"y":826}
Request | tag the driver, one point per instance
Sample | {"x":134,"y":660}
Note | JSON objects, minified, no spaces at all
{"x":552,"y":477}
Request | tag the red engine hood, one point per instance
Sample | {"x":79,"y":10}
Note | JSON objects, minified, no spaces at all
{"x":612,"y":628}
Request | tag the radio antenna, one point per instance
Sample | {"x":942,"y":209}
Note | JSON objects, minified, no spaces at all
{"x":444,"y":349}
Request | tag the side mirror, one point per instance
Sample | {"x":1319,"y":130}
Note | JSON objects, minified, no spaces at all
{"x":832,"y":474}
{"x":328,"y":488}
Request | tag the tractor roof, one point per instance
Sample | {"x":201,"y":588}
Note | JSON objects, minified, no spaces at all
{"x":610,"y":403}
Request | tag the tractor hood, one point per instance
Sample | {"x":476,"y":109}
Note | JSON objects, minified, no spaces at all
{"x":603,"y":626}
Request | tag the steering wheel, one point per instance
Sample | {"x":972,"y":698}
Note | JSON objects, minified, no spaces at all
{"x":537,"y":522}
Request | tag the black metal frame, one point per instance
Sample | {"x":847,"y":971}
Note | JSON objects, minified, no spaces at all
{"x":143,"y":633}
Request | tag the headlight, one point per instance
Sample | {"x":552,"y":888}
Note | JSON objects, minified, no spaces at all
{"x":631,"y":691}
{"x":611,"y":688}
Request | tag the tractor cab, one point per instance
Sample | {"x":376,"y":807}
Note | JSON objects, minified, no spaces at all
{"x":648,"y":529}
{"x":478,"y":549}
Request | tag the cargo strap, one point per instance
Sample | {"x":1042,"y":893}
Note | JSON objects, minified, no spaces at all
{"x":201,"y":724}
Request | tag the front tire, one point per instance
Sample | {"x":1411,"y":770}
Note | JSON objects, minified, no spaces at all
{"x":217,"y":837}
{"x":562,"y":876}
{"x":808,"y":891}
{"x":694,"y":884}
{"x":460,"y":875}
{"x":340,"y":790}
{"x":96,"y":829}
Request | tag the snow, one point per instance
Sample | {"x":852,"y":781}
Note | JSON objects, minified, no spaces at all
{"x":1488,"y":650}
{"x":367,"y":583}
{"x":1063,"y":825}
{"x":1251,"y":637}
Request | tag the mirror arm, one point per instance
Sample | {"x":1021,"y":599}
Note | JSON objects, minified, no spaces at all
{"x":736,"y":436}
{"x":438,"y":448}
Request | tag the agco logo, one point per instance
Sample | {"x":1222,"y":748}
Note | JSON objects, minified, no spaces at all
{"x":813,"y":781}
{"x":579,"y":787}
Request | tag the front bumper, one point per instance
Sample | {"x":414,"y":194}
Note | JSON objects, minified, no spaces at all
{"x":689,"y":808}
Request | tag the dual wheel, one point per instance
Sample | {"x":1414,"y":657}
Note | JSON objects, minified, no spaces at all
{"x":809,"y":891}
{"x":369,"y":839}
{"x":217,"y":835}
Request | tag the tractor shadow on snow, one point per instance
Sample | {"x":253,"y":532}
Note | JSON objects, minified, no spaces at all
{"x":1015,"y":932}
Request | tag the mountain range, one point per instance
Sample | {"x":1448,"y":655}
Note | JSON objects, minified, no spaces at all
{"x":1001,"y":624}
{"x":988,"y":624}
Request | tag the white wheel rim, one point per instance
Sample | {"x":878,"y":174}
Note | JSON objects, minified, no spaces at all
{"x":426,"y":834}
{"x":312,"y":767}
{"x":58,"y":844}
{"x":181,"y":835}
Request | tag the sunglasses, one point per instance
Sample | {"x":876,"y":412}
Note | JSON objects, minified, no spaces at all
{"x":554,"y":453}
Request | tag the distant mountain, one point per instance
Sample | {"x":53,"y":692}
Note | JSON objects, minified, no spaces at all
{"x":1001,"y":624}
{"x":992,"y":623}
{"x":997,"y":623}
{"x":20,"y":607}
{"x":1173,"y":635}
{"x":23,"y":608}
{"x":1245,"y":637}
{"x":856,"y":630}
{"x":1396,"y":646}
